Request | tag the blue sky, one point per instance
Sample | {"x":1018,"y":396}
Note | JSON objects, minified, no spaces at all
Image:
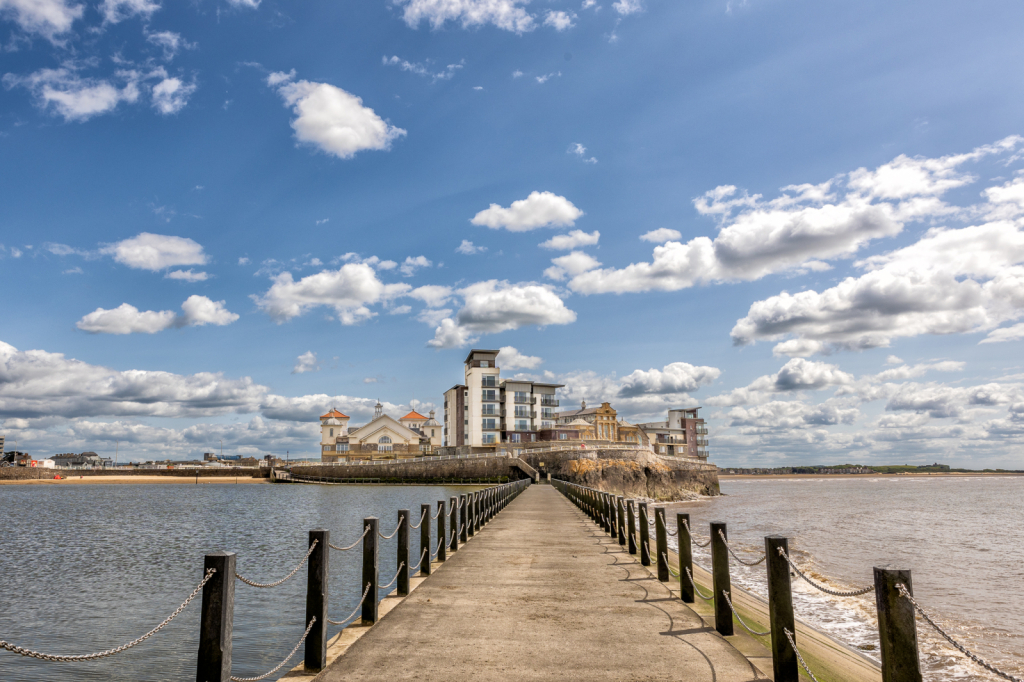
{"x":221,"y":218}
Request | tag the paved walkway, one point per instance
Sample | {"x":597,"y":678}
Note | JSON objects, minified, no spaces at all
{"x":541,"y":594}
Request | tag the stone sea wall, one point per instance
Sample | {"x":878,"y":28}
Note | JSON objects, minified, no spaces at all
{"x":33,"y":473}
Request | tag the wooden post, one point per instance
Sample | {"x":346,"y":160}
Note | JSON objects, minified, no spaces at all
{"x":685,"y":558}
{"x":442,"y":533}
{"x":720,"y":578}
{"x":477,"y":509}
{"x":645,"y":536}
{"x":661,"y":543}
{"x":631,"y":522}
{"x":216,"y":621}
{"x":610,"y":505}
{"x":403,"y":552}
{"x":454,"y":521}
{"x":471,"y":514}
{"x":370,"y":566}
{"x":897,"y":629}
{"x":463,"y":517}
{"x":425,"y":539}
{"x":621,"y":509}
{"x":316,"y":600}
{"x":780,"y":610}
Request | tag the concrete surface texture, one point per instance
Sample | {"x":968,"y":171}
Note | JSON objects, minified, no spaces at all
{"x":541,"y":594}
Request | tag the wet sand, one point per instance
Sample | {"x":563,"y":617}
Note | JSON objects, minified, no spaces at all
{"x":181,"y":480}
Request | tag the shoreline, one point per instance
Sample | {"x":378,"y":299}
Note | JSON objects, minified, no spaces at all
{"x":952,"y":474}
{"x":123,"y":480}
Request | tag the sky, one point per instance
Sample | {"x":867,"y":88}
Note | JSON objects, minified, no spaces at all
{"x":220,"y":218}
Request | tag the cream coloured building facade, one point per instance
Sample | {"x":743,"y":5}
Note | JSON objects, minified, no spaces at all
{"x":384,"y":437}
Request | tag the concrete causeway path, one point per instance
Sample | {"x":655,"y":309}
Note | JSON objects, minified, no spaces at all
{"x":541,"y":594}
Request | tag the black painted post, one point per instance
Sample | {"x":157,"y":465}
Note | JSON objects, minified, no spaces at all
{"x":720,"y":578}
{"x":661,"y":543}
{"x":631,"y":522}
{"x":471,"y":514}
{"x":780,"y":610}
{"x":609,"y":510}
{"x":897,"y":630}
{"x":477,"y":509}
{"x":214,"y":664}
{"x":370,"y":573}
{"x":463,"y":519}
{"x":613,"y":515}
{"x":685,"y":558}
{"x":442,"y":531}
{"x":316,"y":600}
{"x":454,"y":521}
{"x":403,"y":552}
{"x":645,"y":536}
{"x":621,"y":509}
{"x":425,"y":539}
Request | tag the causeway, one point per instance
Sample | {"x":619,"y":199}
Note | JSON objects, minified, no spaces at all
{"x":541,"y":593}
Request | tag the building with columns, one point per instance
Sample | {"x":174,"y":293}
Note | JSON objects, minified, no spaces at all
{"x":383,"y":437}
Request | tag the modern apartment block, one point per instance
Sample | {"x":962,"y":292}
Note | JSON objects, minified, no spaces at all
{"x":487,"y":410}
{"x":684,"y":434}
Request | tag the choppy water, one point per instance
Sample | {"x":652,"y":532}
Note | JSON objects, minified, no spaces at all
{"x":86,"y":568}
{"x":963,"y":539}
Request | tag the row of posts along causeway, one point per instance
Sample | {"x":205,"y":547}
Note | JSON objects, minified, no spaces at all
{"x":441,"y":531}
{"x":629,"y":521}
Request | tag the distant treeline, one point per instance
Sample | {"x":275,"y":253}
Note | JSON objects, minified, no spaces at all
{"x":863,"y":469}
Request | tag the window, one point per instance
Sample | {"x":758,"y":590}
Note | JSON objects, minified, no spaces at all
{"x":522,"y":425}
{"x":327,"y":448}
{"x":384,"y":444}
{"x":431,"y":433}
{"x":490,"y":423}
{"x":563,"y":436}
{"x":342,"y":447}
{"x":488,"y":381}
{"x":485,"y":363}
{"x":522,"y":411}
{"x":489,"y":409}
{"x":523,"y":397}
{"x":384,"y":439}
{"x":513,"y":438}
{"x":488,"y":439}
{"x":490,"y":395}
{"x":547,"y":413}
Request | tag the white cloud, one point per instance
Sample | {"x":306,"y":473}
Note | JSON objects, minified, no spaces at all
{"x":422,"y":70}
{"x":433,"y":295}
{"x":170,"y":42}
{"x":677,"y":377}
{"x":347,"y":290}
{"x":511,"y":359}
{"x":539,"y":209}
{"x":1006,"y":201}
{"x":409,"y":267}
{"x":627,"y":7}
{"x":400,"y":310}
{"x":580,"y":151}
{"x":490,"y":307}
{"x":247,"y":4}
{"x":127,"y":319}
{"x":560,"y":21}
{"x":548,"y":76}
{"x":187,"y":275}
{"x":796,"y":375}
{"x":517,"y":74}
{"x":114,"y":11}
{"x":508,"y":15}
{"x":171,"y":95}
{"x":799,"y":229}
{"x":243,"y":260}
{"x":76,"y":98}
{"x":331,"y":119}
{"x":306,"y":362}
{"x":573,"y":240}
{"x":478,"y":87}
{"x":467,"y":248}
{"x":571,"y":264}
{"x":147,"y":251}
{"x":47,"y":18}
{"x":662,"y":235}
{"x":1004,"y":334}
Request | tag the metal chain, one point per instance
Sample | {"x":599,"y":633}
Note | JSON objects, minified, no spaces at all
{"x":281,"y":664}
{"x":384,"y":587}
{"x":693,"y":538}
{"x":696,"y":589}
{"x":670,"y":533}
{"x":353,"y":614}
{"x":834,"y":593}
{"x":961,"y":648}
{"x":669,"y":565}
{"x":422,"y":554}
{"x":789,"y":636}
{"x":352,"y":546}
{"x":110,"y":652}
{"x":388,"y":537}
{"x":736,"y":556}
{"x":745,"y":626}
{"x":422,"y":516}
{"x":295,"y":570}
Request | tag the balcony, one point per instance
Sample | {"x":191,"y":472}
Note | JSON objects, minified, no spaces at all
{"x":665,"y":438}
{"x":489,"y":396}
{"x":488,"y":382}
{"x":702,"y":441}
{"x":524,"y":414}
{"x":523,"y":401}
{"x":548,"y":402}
{"x":702,"y":430}
{"x":492,"y":411}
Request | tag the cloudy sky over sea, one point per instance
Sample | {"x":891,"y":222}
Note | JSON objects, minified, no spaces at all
{"x":222,"y":217}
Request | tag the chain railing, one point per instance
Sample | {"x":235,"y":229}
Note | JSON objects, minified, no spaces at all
{"x":388,"y":537}
{"x":397,"y":573}
{"x":281,"y":664}
{"x":696,"y":588}
{"x":725,"y":593}
{"x":693,"y":536}
{"x":110,"y":652}
{"x":352,"y":615}
{"x":822,"y":588}
{"x":789,"y":636}
{"x":422,"y":517}
{"x":737,"y":556}
{"x":354,"y":544}
{"x":295,"y":570}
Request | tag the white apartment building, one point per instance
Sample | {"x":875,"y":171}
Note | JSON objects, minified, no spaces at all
{"x":486,"y":410}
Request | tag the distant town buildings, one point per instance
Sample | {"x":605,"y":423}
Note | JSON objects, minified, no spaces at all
{"x":85,"y":460}
{"x":683,"y":434}
{"x":383,"y":437}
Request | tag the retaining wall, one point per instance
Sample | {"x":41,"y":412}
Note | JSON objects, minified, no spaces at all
{"x":33,"y":473}
{"x":438,"y":470}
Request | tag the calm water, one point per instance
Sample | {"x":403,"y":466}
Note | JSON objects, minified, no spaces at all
{"x":963,"y":538}
{"x":87,"y":568}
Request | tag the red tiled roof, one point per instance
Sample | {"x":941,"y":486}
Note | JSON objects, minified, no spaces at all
{"x":334,"y":413}
{"x":412,"y":415}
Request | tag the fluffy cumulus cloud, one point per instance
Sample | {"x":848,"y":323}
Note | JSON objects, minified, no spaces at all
{"x":74,"y":97}
{"x":508,"y":15}
{"x":196,"y":311}
{"x":662,"y":235}
{"x":467,"y":248}
{"x":331,"y":119}
{"x":187,"y":275}
{"x":796,"y":375}
{"x":411,"y":265}
{"x":115,"y":11}
{"x":47,"y":18}
{"x":171,"y":95}
{"x":348,"y":291}
{"x":495,"y":306}
{"x":512,"y":359}
{"x":307,"y":362}
{"x":677,"y":377}
{"x":572,"y":240}
{"x":147,"y":251}
{"x":800,"y":229}
{"x":571,"y":265}
{"x":539,"y":209}
{"x":560,"y":21}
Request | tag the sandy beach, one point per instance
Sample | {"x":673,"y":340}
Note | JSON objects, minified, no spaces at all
{"x":104,"y":480}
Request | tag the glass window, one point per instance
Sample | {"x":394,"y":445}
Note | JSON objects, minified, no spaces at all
{"x":513,"y":438}
{"x":523,"y":397}
{"x":332,"y":433}
{"x":488,"y":438}
{"x":342,"y":447}
{"x":522,"y":425}
{"x":490,"y":395}
{"x":522,"y":411}
{"x":490,"y":423}
{"x":563,"y":436}
{"x":384,"y":439}
{"x":485,"y":363}
{"x":488,"y":381}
